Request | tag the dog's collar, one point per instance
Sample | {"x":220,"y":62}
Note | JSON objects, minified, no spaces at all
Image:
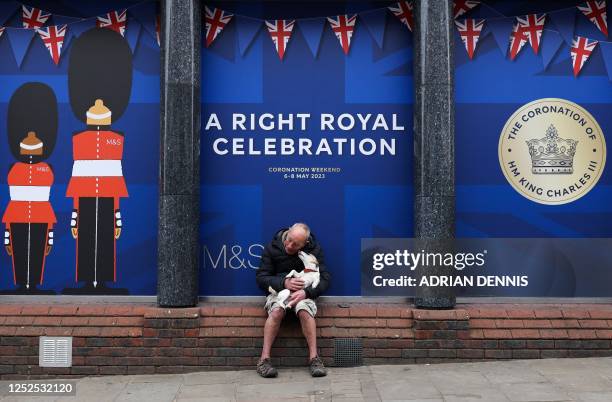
{"x":309,"y":270}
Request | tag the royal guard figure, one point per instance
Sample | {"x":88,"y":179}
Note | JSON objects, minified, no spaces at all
{"x":99,"y":81}
{"x":29,"y":217}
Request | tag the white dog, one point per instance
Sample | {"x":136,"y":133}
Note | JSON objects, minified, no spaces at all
{"x":310,"y":275}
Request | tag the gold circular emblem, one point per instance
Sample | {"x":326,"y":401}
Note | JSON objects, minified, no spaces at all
{"x":552,"y":151}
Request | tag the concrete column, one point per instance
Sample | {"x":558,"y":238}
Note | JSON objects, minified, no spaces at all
{"x":434,"y":150}
{"x":179,"y":195}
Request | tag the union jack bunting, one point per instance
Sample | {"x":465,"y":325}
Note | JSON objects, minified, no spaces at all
{"x":343,"y":27}
{"x":280,"y":31}
{"x":470,"y":30}
{"x":595,"y":11}
{"x":216,"y":20}
{"x":518,"y":38}
{"x":158,"y":30}
{"x":115,"y":20}
{"x":33,"y":18}
{"x":581,"y":51}
{"x":403,"y":11}
{"x":53,"y":38}
{"x":461,"y":7}
{"x":532,"y":26}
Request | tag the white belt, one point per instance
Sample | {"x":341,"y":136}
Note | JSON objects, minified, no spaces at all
{"x":93,"y":168}
{"x":29,"y":193}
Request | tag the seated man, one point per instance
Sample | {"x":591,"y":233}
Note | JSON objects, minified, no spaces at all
{"x":278,"y":259}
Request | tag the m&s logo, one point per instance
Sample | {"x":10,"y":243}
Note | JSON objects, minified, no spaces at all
{"x":233,"y":256}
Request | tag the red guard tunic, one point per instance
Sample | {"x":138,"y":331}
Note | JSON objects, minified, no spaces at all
{"x":97,"y":170}
{"x":96,"y":185}
{"x":29,"y":185}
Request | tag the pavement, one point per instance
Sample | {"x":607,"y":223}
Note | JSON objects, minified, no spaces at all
{"x":586,"y":380}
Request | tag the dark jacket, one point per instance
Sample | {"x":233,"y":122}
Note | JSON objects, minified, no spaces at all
{"x":276,"y":264}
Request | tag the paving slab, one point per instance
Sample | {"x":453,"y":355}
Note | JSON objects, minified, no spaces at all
{"x":101,"y":389}
{"x":211,"y":377}
{"x":277,"y":390}
{"x":473,"y":394}
{"x":407,"y":390}
{"x":149,"y":392}
{"x":207,"y":391}
{"x":534,"y":392}
{"x":558,"y":380}
{"x":592,"y":396}
{"x":449,"y":381}
{"x":581,"y":381}
{"x":513,"y":375}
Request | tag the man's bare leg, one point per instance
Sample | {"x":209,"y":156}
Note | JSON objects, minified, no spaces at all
{"x":309,"y":328}
{"x":271,"y":330}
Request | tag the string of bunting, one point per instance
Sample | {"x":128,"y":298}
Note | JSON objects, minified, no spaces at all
{"x":56,"y":36}
{"x":510,"y":33}
{"x":529,"y":28}
{"x":343,"y":27}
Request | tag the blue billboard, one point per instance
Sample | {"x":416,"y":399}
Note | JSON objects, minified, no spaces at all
{"x":346,"y":171}
{"x":79,"y":148}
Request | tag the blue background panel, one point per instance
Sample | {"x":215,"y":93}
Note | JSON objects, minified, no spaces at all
{"x":137,"y":247}
{"x":243,"y":204}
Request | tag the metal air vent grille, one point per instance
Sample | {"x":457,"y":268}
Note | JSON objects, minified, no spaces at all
{"x":55,"y":351}
{"x":348,"y":352}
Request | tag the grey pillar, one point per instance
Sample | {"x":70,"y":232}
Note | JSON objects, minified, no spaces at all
{"x":434,"y":161}
{"x":179,"y":195}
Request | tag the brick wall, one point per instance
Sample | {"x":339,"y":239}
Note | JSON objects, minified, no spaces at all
{"x":143,"y":339}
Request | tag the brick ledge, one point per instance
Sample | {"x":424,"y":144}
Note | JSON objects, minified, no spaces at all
{"x":140,"y":338}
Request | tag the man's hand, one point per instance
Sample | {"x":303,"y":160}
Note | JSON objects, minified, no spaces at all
{"x":294,"y":284}
{"x":295,"y":298}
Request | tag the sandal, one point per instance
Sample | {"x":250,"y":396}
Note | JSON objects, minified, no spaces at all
{"x":317,"y":368}
{"x":265,"y":369}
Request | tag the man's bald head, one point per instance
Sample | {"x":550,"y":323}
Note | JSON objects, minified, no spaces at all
{"x":296,"y":238}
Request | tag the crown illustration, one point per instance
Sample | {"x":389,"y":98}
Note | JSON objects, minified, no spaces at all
{"x":552,"y":154}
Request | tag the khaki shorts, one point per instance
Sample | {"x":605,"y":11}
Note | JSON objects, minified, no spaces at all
{"x":307,"y":304}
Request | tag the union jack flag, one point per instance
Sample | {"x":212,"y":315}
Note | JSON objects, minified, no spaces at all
{"x":216,"y":20}
{"x":158,"y":30}
{"x":343,"y":26}
{"x":1,"y":30}
{"x":115,"y":20}
{"x":280,"y":31}
{"x":461,"y":7}
{"x":581,"y":51}
{"x":403,"y":11}
{"x":532,"y":26}
{"x":33,"y":18}
{"x":595,"y":11}
{"x":518,"y":38}
{"x":53,"y":38}
{"x":470,"y":30}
